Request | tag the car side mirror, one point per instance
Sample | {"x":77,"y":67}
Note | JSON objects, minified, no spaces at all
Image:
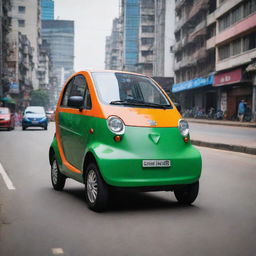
{"x":76,"y":102}
{"x":178,"y":106}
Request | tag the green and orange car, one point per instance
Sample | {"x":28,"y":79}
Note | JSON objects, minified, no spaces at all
{"x":119,"y":130}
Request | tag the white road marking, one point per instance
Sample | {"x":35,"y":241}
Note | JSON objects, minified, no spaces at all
{"x":6,"y":178}
{"x":57,"y":251}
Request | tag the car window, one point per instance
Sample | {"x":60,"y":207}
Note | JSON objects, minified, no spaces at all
{"x":77,"y":87}
{"x":66,"y":95}
{"x":4,"y":111}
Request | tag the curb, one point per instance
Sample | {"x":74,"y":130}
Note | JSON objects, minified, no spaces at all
{"x":226,"y":123}
{"x":235,"y":148}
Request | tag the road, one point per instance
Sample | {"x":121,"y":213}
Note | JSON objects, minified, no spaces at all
{"x":223,"y":134}
{"x":36,"y":220}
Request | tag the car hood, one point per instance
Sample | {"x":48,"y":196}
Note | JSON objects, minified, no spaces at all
{"x":146,"y":117}
{"x":34,"y":115}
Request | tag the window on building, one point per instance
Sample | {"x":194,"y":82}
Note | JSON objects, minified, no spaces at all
{"x":21,"y":9}
{"x":224,"y":22}
{"x":249,"y":7}
{"x":236,"y":14}
{"x":147,"y":29}
{"x":224,"y":52}
{"x":146,"y":41}
{"x":147,"y":3}
{"x":146,"y":53}
{"x":146,"y":18}
{"x":249,"y":42}
{"x":21,"y":23}
{"x":236,"y":47}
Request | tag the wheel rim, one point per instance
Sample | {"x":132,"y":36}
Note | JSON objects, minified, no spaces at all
{"x":54,"y":172}
{"x":92,"y":186}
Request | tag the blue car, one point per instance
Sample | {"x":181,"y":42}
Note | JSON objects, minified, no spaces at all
{"x":34,"y":116}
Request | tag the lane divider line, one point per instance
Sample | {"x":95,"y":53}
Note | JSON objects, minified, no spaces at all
{"x":6,"y":178}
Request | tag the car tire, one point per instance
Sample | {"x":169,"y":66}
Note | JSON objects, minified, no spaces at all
{"x":96,"y":190}
{"x":45,"y":127}
{"x":187,"y":194}
{"x":57,"y":178}
{"x":24,"y":128}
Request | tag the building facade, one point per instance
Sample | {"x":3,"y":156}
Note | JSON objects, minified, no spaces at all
{"x":194,"y":64}
{"x":59,"y":35}
{"x":5,"y":27}
{"x":47,"y":9}
{"x":26,"y":20}
{"x":234,"y":43}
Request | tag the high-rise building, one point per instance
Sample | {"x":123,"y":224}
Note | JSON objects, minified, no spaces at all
{"x":47,"y":9}
{"x":131,"y":21}
{"x":194,"y":63}
{"x":26,"y":20}
{"x":59,"y":35}
{"x":5,"y":22}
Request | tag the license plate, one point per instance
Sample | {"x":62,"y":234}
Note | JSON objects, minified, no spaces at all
{"x":34,"y":122}
{"x":156,"y":163}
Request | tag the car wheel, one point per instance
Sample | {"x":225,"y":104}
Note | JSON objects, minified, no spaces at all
{"x":58,"y":179}
{"x":96,"y":190}
{"x":187,"y":194}
{"x":45,"y":127}
{"x":23,"y":128}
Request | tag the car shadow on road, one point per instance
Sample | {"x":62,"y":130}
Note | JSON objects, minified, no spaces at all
{"x":123,"y":201}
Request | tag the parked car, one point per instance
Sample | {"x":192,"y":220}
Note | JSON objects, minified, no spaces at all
{"x":120,"y":130}
{"x":34,"y":116}
{"x":7,"y":119}
{"x":50,"y":115}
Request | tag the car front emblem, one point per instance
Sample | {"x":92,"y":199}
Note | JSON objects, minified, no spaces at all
{"x":152,"y":122}
{"x":154,"y":137}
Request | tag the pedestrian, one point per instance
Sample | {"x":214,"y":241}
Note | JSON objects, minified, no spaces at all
{"x":241,"y":110}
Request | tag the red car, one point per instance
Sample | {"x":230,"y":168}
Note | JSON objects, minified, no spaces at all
{"x":7,"y":119}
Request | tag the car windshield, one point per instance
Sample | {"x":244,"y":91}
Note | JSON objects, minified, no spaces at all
{"x":4,"y":111}
{"x":128,"y":89}
{"x":35,"y":110}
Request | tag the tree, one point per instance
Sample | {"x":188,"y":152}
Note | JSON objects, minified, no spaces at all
{"x":39,"y":98}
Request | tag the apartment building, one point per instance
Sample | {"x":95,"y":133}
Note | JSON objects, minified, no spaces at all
{"x":5,"y":27}
{"x":233,"y":25}
{"x":113,"y":47}
{"x":194,"y":63}
{"x":26,"y":20}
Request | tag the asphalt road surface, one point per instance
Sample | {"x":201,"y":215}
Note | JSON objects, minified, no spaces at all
{"x":36,"y":220}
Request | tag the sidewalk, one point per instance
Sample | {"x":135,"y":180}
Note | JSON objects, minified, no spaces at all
{"x":225,"y":135}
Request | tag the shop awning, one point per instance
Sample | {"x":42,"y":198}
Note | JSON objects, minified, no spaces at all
{"x":192,"y":84}
{"x":8,"y":100}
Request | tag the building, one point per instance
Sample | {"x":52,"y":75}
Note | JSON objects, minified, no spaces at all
{"x":5,"y":23}
{"x":59,"y":35}
{"x":194,"y":64}
{"x":113,"y":48}
{"x":47,"y":9}
{"x":234,"y":41}
{"x":26,"y":20}
{"x":163,"y":58}
{"x":130,"y":16}
{"x":20,"y":69}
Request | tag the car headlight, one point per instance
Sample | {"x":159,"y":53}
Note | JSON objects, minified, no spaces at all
{"x":183,"y":127}
{"x":44,"y":118}
{"x":116,"y":125}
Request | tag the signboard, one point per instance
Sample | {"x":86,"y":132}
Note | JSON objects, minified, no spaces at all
{"x":230,"y":77}
{"x":14,"y":88}
{"x":192,"y":84}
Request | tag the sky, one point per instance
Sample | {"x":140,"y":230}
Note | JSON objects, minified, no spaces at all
{"x":93,"y":22}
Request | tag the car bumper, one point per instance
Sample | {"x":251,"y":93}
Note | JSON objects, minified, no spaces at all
{"x":34,"y":123}
{"x":5,"y":124}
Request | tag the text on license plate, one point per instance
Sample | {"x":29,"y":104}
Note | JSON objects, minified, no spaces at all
{"x":156,"y":163}
{"x":34,"y":122}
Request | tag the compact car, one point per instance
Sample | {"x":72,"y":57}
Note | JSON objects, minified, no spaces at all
{"x":118,"y":130}
{"x":34,"y":116}
{"x":7,"y":119}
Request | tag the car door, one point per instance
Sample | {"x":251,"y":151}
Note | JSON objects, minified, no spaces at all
{"x":65,"y":122}
{"x":81,"y":122}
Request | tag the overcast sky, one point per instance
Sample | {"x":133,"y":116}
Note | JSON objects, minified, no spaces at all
{"x":93,"y":22}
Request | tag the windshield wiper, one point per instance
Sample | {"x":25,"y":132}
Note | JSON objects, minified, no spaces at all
{"x":139,"y":103}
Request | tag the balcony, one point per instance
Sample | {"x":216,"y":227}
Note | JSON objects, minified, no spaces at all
{"x":210,"y":43}
{"x":198,"y":6}
{"x":200,"y":30}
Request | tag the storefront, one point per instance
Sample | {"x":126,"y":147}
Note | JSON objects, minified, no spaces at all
{"x":197,"y":93}
{"x":233,"y":86}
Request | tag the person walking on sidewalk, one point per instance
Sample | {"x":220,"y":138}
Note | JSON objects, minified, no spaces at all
{"x":241,"y":110}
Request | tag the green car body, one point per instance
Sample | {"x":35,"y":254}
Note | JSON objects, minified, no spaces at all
{"x":83,"y":136}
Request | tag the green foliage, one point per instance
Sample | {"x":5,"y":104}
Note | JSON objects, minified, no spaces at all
{"x":39,"y":98}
